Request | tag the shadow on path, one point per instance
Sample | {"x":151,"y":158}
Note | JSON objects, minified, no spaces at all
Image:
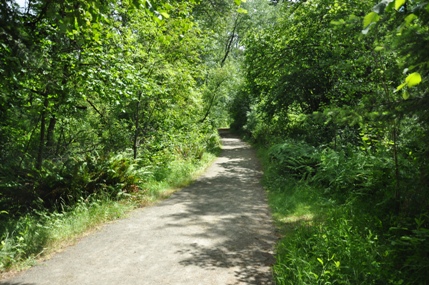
{"x":229,"y":204}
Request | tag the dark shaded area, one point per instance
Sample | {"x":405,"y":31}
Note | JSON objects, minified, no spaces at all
{"x":231,"y":207}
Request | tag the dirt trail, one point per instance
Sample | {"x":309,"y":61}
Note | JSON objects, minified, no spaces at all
{"x":216,"y":231}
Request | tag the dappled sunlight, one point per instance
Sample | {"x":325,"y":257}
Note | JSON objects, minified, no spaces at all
{"x":296,"y":219}
{"x":227,"y":207}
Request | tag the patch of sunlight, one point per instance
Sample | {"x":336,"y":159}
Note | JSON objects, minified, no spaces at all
{"x":296,"y":219}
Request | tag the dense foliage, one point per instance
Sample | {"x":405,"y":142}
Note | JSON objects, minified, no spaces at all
{"x":338,"y":91}
{"x":89,"y":89}
{"x":101,"y":100}
{"x":98,"y":98}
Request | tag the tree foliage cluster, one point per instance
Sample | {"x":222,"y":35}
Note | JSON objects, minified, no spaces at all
{"x":97,"y":95}
{"x":339,"y":91}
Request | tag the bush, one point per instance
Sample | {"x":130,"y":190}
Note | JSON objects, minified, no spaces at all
{"x":347,"y":175}
{"x":295,"y":159}
{"x":81,"y":177}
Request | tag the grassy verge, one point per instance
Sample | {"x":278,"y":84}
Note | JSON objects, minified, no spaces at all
{"x":167,"y":179}
{"x":323,"y":241}
{"x":38,"y":234}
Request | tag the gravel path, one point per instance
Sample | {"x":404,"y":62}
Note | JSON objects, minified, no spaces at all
{"x":216,"y":231}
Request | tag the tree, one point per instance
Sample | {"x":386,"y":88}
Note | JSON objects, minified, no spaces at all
{"x":85,"y":80}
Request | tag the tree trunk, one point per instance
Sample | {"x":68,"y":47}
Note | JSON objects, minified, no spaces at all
{"x":41,"y":149}
{"x":136,"y":125}
{"x":50,"y":134}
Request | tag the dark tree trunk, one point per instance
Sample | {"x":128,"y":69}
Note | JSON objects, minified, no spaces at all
{"x":40,"y":151}
{"x":50,"y":134}
{"x":137,"y":126}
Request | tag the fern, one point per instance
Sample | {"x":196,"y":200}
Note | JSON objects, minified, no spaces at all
{"x":294,"y":158}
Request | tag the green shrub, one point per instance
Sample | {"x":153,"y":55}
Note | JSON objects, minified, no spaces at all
{"x":295,"y":159}
{"x":409,"y":249}
{"x":355,"y":173}
{"x":21,"y":239}
{"x":83,"y":176}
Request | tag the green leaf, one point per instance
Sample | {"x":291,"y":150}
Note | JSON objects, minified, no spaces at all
{"x":405,"y":94}
{"x":237,"y":2}
{"x":413,"y":79}
{"x":76,"y":24}
{"x":370,"y":18}
{"x":409,"y":19}
{"x":337,"y":23}
{"x":337,"y":264}
{"x":400,"y":87}
{"x":242,"y":11}
{"x":378,"y":48}
{"x":320,"y":260}
{"x":165,"y":15}
{"x":399,"y":4}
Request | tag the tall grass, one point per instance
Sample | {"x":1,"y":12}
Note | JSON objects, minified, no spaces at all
{"x":41,"y":232}
{"x":167,"y":178}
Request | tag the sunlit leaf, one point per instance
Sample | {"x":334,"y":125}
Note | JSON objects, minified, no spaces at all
{"x":409,"y":19}
{"x":413,"y":79}
{"x":337,"y":264}
{"x":370,"y":18}
{"x":314,"y":275}
{"x":399,"y":4}
{"x":400,"y":87}
{"x":337,"y":23}
{"x":76,"y":24}
{"x":165,"y":15}
{"x":242,"y":10}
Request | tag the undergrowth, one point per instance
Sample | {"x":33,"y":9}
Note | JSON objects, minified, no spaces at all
{"x":41,"y":232}
{"x":338,"y":221}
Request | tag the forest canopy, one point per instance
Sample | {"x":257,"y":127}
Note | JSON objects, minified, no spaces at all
{"x":86,"y":85}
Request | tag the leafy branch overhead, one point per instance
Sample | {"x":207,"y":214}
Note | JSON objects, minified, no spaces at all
{"x":412,"y":22}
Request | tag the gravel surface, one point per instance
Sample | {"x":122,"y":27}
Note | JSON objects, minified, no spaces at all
{"x":216,"y":231}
